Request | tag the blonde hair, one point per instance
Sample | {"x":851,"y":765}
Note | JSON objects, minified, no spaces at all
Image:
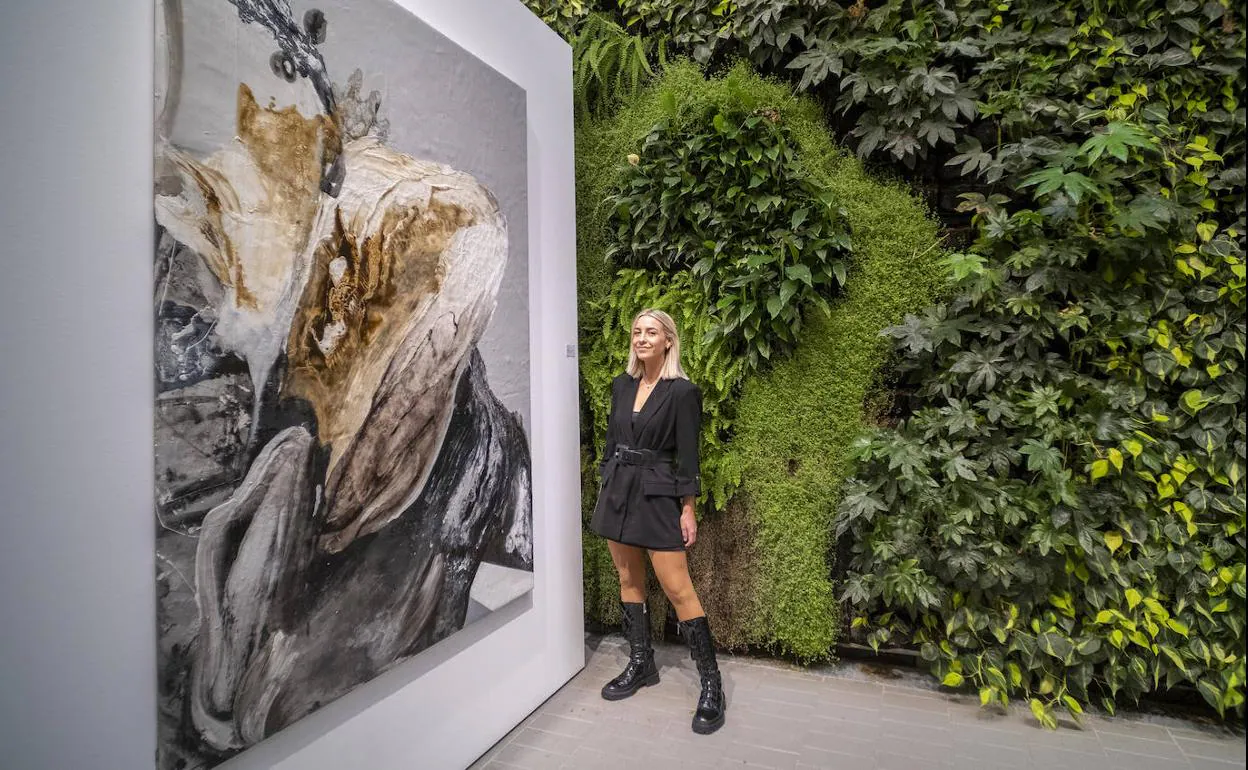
{"x":672,"y":369}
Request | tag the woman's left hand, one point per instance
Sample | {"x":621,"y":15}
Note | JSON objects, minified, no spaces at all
{"x":688,"y":525}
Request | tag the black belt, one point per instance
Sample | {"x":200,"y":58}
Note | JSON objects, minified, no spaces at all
{"x":643,"y":457}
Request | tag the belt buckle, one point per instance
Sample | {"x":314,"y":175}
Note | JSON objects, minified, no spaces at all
{"x":631,"y":456}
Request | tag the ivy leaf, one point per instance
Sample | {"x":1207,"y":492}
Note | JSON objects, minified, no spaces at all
{"x":1056,"y":645}
{"x":1041,"y":714}
{"x":1178,"y":627}
{"x":787,"y":290}
{"x":1194,"y":400}
{"x":1115,"y":458}
{"x":1212,"y":694}
{"x":800,"y":273}
{"x":1173,"y":57}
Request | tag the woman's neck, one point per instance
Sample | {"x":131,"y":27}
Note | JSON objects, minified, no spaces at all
{"x":651,"y":372}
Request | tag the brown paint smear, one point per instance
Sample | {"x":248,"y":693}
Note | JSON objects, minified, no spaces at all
{"x":289,"y":151}
{"x":389,"y":275}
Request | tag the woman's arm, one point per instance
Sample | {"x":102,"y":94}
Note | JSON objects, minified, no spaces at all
{"x":688,"y":439}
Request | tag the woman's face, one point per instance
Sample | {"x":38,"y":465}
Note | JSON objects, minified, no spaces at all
{"x":649,"y":341}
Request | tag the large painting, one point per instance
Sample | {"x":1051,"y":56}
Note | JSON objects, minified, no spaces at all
{"x":341,"y":356}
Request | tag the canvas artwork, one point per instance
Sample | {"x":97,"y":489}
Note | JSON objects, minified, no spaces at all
{"x":343,"y":471}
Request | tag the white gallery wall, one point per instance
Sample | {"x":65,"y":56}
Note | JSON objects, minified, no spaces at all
{"x":77,"y":588}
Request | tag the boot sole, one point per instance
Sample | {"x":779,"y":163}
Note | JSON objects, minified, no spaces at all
{"x":647,"y":682}
{"x":707,"y":729}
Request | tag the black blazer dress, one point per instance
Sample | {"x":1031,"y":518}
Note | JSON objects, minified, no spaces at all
{"x":650,"y":463}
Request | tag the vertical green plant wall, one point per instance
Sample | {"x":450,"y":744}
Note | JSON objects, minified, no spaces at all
{"x":782,"y":265}
{"x":1051,"y":504}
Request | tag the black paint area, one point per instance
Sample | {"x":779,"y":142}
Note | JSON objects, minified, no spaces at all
{"x":186,"y":349}
{"x":310,"y":626}
{"x":314,"y":24}
{"x":283,"y":66}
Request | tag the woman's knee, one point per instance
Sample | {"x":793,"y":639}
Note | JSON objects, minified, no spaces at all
{"x":680,"y":593}
{"x":676,"y":582}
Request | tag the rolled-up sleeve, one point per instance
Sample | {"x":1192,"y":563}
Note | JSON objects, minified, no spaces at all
{"x":688,"y":438}
{"x":609,"y":449}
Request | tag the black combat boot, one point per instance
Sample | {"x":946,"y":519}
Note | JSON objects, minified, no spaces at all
{"x":709,"y":716}
{"x":640,"y":671}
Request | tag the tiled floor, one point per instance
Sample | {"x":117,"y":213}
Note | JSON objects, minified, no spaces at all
{"x":848,"y":716}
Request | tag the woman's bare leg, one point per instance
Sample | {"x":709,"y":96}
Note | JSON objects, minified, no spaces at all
{"x":672,"y":569}
{"x":630,"y":563}
{"x":673,"y":572}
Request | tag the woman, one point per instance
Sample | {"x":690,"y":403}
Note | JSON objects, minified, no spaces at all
{"x":646,"y":503}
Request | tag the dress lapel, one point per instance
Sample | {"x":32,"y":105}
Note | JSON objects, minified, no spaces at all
{"x":630,"y":398}
{"x":662,"y":390}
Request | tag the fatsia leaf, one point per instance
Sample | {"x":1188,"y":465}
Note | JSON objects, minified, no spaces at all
{"x":1041,"y":456}
{"x":913,"y":334}
{"x":1055,"y":179}
{"x":816,"y":64}
{"x":1117,"y":138}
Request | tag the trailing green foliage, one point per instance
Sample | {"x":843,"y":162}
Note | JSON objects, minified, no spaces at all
{"x":683,"y":101}
{"x":696,"y":25}
{"x":609,"y":64}
{"x":1067,"y":526}
{"x":727,"y":200}
{"x":563,"y":16}
{"x":716,"y":370}
{"x":1062,"y":519}
{"x":918,"y":76}
{"x":680,"y":99}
